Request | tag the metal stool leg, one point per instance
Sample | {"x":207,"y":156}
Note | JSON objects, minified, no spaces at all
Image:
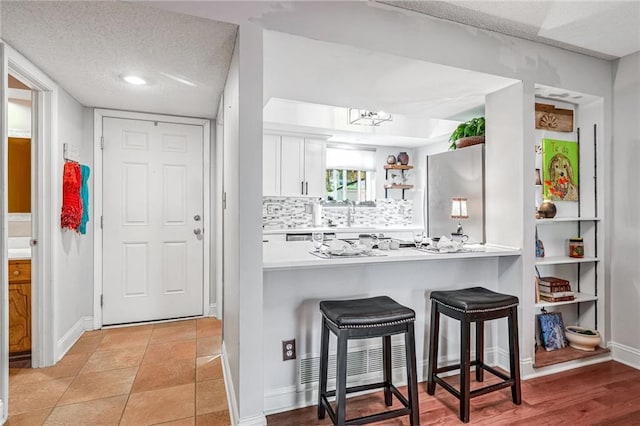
{"x":465,"y":369}
{"x":479,"y":350}
{"x":432,"y":365}
{"x":324,"y":361}
{"x":341,"y":379}
{"x":412,"y":374}
{"x":386,"y":360}
{"x":514,"y":356}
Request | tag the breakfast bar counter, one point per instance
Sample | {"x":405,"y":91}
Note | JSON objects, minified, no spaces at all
{"x":295,"y":281}
{"x":297,"y":254}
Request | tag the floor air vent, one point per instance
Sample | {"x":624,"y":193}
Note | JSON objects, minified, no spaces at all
{"x":360,"y":361}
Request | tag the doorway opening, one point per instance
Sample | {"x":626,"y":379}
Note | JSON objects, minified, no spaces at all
{"x":19,"y":193}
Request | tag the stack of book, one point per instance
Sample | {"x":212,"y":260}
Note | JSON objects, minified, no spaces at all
{"x":553,"y":289}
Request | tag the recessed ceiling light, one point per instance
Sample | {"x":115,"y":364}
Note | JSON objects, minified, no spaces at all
{"x":133,"y":79}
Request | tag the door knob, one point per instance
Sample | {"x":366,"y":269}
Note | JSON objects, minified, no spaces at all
{"x":197,"y":231}
{"x":196,"y":217}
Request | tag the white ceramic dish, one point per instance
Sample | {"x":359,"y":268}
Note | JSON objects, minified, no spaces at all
{"x":583,"y":342}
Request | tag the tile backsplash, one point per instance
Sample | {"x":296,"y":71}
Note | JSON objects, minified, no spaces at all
{"x":295,"y":212}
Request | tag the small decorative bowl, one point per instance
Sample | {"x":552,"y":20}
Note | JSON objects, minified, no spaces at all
{"x":581,"y":338}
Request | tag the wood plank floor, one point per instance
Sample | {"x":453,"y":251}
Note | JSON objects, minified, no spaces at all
{"x":601,"y":394}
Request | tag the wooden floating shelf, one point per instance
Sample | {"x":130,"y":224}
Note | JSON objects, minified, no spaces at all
{"x":394,"y":186}
{"x":580,"y":297}
{"x":545,"y":358}
{"x":397,"y":167}
{"x":564,"y":260}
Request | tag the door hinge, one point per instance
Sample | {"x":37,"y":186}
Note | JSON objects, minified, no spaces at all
{"x":101,"y":222}
{"x":224,"y":201}
{"x":101,"y":142}
{"x":101,"y":300}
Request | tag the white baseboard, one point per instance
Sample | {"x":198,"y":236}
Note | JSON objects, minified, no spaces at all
{"x":625,"y":354}
{"x":213,"y":310}
{"x":228,"y":385}
{"x":72,"y":335}
{"x":253,"y":421}
{"x":260,"y":420}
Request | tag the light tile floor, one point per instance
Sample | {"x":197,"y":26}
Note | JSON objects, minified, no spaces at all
{"x":168,"y":373}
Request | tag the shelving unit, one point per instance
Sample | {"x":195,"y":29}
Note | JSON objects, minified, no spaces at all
{"x":403,"y":170}
{"x":576,"y":219}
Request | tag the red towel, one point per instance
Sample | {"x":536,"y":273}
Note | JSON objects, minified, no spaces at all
{"x":71,"y":205}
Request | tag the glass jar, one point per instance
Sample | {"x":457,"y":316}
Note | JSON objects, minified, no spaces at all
{"x":576,"y":247}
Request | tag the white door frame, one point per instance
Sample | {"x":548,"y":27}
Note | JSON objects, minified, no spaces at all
{"x":99,"y":114}
{"x":44,"y":140}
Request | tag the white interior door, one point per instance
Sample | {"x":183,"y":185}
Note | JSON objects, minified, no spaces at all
{"x":152,"y":225}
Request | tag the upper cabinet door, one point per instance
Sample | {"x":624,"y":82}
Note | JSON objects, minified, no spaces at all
{"x":271,"y":165}
{"x":314,"y":168}
{"x":292,"y":182}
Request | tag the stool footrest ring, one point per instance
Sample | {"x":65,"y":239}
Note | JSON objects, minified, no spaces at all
{"x":385,"y":415}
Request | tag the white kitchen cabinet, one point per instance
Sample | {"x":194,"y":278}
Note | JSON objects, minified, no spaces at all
{"x":314,"y":167}
{"x":271,"y":165}
{"x":293,"y":166}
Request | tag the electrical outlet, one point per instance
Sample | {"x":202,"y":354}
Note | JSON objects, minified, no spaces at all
{"x":288,"y":349}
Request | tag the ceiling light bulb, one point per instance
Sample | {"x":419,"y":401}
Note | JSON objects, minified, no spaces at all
{"x":134,"y":79}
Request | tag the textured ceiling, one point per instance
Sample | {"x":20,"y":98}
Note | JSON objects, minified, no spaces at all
{"x":604,"y":29}
{"x":85,"y":46}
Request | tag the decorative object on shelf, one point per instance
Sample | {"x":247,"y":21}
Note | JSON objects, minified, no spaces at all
{"x":538,"y":179}
{"x":459,"y":211}
{"x":403,"y":158}
{"x":365,"y":117}
{"x":391,"y":159}
{"x":539,"y":246}
{"x":396,"y":177}
{"x":548,"y":117}
{"x":552,"y":330}
{"x":582,"y":338}
{"x":560,"y":164}
{"x":576,"y":247}
{"x":468,"y":133}
{"x":547,"y":210}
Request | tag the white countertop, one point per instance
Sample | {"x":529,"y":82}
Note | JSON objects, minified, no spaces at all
{"x":342,"y":229}
{"x":19,"y":253}
{"x":295,"y":255}
{"x":19,"y":248}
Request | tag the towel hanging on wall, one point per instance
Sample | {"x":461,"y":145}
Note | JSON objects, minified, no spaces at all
{"x":84,"y":198}
{"x":71,"y":215}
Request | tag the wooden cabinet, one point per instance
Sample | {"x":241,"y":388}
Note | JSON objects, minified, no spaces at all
{"x":19,"y":175}
{"x":19,"y":306}
{"x":293,"y":166}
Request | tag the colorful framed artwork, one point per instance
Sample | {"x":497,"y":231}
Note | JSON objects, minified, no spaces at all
{"x":560,"y":170}
{"x":552,"y":331}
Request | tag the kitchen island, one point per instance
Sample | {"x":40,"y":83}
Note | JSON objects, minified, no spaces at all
{"x":295,"y":281}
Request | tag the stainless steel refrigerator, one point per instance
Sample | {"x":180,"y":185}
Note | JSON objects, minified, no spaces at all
{"x":452,"y":174}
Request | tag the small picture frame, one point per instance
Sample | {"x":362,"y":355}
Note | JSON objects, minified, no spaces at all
{"x":552,"y":331}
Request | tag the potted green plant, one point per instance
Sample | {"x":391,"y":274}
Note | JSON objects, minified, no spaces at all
{"x":468,"y":133}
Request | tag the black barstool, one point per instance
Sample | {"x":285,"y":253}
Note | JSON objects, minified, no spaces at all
{"x":361,"y":319}
{"x":477,"y":305}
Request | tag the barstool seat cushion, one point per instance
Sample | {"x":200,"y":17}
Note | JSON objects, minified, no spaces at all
{"x":370,"y":312}
{"x":474,"y":299}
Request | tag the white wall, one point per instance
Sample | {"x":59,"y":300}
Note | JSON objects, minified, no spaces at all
{"x":625,"y":227}
{"x":242,"y":274}
{"x":72,"y":253}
